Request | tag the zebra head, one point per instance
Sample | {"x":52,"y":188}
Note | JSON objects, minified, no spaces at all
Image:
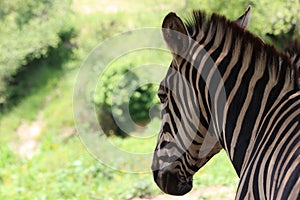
{"x":185,"y":141}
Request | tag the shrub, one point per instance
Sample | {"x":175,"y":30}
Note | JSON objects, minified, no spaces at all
{"x":118,"y":94}
{"x":29,"y":29}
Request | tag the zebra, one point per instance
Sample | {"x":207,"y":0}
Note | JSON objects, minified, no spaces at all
{"x":294,"y":54}
{"x":227,"y":89}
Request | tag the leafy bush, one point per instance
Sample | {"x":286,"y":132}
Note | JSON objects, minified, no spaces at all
{"x":125,"y":96}
{"x":118,"y":93}
{"x":29,"y":29}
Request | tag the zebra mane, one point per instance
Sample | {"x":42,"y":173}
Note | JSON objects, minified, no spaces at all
{"x":200,"y":24}
{"x":294,"y":53}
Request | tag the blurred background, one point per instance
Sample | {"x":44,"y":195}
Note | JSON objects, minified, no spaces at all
{"x":42,"y":46}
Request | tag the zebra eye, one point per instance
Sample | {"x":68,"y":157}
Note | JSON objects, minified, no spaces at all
{"x":162,"y":97}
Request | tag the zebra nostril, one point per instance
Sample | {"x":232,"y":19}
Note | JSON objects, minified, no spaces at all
{"x":174,"y":186}
{"x":170,"y":183}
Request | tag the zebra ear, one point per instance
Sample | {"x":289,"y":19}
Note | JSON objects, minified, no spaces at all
{"x":175,"y":34}
{"x":244,"y":20}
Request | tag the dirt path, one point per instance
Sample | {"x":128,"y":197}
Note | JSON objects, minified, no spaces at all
{"x":208,"y":193}
{"x":27,"y":145}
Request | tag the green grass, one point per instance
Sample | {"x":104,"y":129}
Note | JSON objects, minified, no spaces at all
{"x":218,"y":171}
{"x":67,"y":170}
{"x":63,"y":168}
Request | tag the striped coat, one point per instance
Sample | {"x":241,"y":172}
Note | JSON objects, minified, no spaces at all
{"x":227,"y":89}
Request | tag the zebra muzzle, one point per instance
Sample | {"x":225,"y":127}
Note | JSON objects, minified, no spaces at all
{"x":170,"y":182}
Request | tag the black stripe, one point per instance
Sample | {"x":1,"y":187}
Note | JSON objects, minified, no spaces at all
{"x":229,"y":84}
{"x":292,"y":180}
{"x":175,"y":110}
{"x":215,"y":55}
{"x":264,"y":145}
{"x":249,"y":119}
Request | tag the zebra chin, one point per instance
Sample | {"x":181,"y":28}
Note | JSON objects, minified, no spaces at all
{"x":170,"y":183}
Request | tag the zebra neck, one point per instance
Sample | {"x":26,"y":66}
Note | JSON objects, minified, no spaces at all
{"x":250,"y":87}
{"x":238,"y":79}
{"x":237,"y":91}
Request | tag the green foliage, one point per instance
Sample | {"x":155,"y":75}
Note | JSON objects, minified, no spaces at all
{"x":29,"y":29}
{"x":116,"y":94}
{"x":143,"y":100}
{"x":217,"y":170}
{"x":121,"y":89}
{"x":275,"y":18}
{"x":65,"y":170}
